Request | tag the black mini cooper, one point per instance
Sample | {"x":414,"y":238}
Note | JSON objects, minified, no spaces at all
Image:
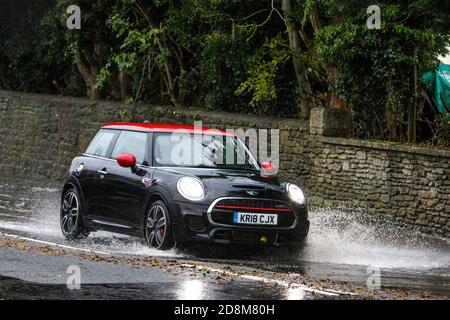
{"x":177,"y":184}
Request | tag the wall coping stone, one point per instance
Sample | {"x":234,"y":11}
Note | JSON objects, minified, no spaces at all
{"x":386,"y":146}
{"x":331,"y":122}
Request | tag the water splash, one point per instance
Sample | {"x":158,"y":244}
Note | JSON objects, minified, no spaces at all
{"x":35,"y":212}
{"x":353,"y":237}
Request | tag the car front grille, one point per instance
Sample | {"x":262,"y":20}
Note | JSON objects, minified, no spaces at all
{"x":222,"y":211}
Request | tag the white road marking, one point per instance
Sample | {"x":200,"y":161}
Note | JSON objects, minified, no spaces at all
{"x":274,"y":281}
{"x":52,"y":244}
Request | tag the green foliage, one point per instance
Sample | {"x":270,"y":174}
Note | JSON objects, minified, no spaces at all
{"x":31,"y":54}
{"x":124,"y":115}
{"x":103,"y":76}
{"x":222,"y":65}
{"x":441,"y":135}
{"x":262,"y":76}
{"x":229,"y":55}
{"x":375,"y":67}
{"x":198,"y":52}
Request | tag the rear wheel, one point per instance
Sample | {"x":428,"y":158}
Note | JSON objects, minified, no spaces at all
{"x":158,"y":229}
{"x":71,"y":221}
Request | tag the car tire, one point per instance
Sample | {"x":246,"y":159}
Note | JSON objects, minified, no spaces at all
{"x":158,"y":228}
{"x":71,"y":221}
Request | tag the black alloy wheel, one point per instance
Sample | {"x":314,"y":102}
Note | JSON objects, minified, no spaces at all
{"x":158,"y":231}
{"x":71,"y":222}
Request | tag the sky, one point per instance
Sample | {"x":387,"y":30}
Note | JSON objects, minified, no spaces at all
{"x":446,"y":59}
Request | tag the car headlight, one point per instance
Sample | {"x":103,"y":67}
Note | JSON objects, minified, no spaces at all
{"x":295,"y":193}
{"x":191,"y":188}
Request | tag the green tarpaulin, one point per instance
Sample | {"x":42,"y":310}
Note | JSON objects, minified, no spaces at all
{"x":438,"y":84}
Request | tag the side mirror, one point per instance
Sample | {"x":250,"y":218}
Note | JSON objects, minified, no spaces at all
{"x":126,"y":160}
{"x":268,"y":169}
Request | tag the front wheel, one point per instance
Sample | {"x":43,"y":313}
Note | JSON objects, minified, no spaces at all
{"x":158,"y":229}
{"x":71,"y":222}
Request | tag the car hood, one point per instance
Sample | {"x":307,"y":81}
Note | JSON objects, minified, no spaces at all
{"x":220,"y":182}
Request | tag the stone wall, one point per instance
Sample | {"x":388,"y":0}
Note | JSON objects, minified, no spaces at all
{"x":39,"y":135}
{"x":409,"y":183}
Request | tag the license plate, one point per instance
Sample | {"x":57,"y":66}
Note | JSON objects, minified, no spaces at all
{"x":255,"y":218}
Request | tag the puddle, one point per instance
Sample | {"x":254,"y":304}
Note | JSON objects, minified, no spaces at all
{"x":12,"y":288}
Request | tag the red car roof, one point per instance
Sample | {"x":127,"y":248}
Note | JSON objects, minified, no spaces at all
{"x":164,"y":127}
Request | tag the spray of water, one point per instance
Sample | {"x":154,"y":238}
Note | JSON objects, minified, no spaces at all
{"x":351,"y":236}
{"x":35,"y":212}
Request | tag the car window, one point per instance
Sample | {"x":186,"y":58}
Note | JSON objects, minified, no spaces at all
{"x":206,"y":151}
{"x":131,"y":142}
{"x":100,"y":144}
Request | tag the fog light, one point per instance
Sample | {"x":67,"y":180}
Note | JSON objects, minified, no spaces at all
{"x":263,"y":239}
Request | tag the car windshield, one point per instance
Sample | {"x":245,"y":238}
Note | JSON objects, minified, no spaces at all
{"x":202,"y":151}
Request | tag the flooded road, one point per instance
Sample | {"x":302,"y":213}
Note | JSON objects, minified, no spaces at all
{"x":341,"y":245}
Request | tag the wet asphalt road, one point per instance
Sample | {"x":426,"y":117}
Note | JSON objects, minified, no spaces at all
{"x":341,"y":246}
{"x":36,"y":276}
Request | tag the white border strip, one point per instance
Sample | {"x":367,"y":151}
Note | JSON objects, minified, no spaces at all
{"x":286,"y":284}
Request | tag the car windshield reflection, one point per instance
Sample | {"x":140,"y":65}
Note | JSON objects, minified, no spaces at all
{"x":202,"y":151}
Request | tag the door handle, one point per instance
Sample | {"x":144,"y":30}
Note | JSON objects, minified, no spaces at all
{"x":102,"y":171}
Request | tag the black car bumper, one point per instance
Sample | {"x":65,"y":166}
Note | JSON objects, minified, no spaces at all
{"x":193,"y":222}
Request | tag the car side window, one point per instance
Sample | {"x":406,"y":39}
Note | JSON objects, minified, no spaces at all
{"x":131,"y":142}
{"x":100,"y":144}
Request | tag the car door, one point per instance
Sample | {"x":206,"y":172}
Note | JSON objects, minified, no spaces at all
{"x":122,"y":189}
{"x":92,"y":162}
